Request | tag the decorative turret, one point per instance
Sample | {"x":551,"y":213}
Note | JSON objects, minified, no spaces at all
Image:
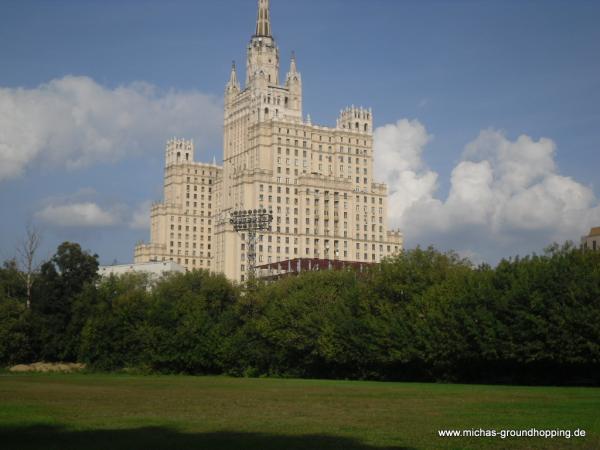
{"x":293,"y":76}
{"x":293,"y":68}
{"x":233,"y":86}
{"x":294,"y":84}
{"x":359,"y":120}
{"x":179,"y":151}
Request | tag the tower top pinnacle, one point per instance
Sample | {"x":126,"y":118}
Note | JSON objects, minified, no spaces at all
{"x":263,"y":20}
{"x":233,"y":83}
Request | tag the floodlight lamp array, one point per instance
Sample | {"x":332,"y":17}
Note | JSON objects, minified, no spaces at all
{"x":251,"y":220}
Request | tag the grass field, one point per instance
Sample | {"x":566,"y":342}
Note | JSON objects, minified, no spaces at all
{"x":95,"y":411}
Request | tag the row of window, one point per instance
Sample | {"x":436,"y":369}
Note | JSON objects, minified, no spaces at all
{"x":187,"y":220}
{"x":193,"y":253}
{"x":317,"y":193}
{"x":276,"y":100}
{"x":187,"y":237}
{"x":365,"y":246}
{"x":195,"y":179}
{"x":194,"y":262}
{"x":325,"y":232}
{"x":316,"y":208}
{"x":316,"y":241}
{"x":179,"y":243}
{"x":187,"y":195}
{"x":188,"y":188}
{"x":187,"y":228}
{"x":195,"y":205}
{"x":203,"y":181}
{"x":330,"y":149}
{"x":320,"y":137}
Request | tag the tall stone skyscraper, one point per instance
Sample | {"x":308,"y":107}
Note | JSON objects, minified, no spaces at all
{"x":317,"y":180}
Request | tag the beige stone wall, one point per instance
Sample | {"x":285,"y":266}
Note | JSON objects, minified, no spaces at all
{"x":181,"y":227}
{"x":318,"y":182}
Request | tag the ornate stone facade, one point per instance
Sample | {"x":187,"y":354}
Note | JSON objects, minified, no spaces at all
{"x":317,"y":180}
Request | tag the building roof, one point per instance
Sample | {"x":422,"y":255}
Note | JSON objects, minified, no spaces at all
{"x":150,"y":267}
{"x":595,"y":231}
{"x":298,"y":265}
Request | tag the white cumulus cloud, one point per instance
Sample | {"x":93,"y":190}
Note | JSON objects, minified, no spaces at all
{"x":140,"y":218}
{"x":506,"y":197}
{"x":398,"y":162}
{"x":85,"y":214}
{"x":74,"y":122}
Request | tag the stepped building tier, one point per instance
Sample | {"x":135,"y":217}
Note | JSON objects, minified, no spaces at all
{"x":181,"y":227}
{"x":317,"y":181}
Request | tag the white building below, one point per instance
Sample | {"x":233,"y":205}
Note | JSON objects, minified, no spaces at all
{"x":592,"y":240}
{"x":156,"y":269}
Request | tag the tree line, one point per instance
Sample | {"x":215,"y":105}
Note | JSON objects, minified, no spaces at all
{"x":423,"y":315}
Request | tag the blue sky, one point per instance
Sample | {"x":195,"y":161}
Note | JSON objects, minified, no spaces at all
{"x":451,"y":69}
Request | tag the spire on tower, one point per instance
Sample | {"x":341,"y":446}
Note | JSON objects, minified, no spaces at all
{"x":293,"y":76}
{"x":233,"y":81}
{"x":263,"y":21}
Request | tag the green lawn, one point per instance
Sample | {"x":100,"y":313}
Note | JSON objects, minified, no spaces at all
{"x":95,"y":411}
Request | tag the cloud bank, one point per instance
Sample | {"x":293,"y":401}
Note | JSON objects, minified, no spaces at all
{"x":140,"y":218}
{"x":84,"y":215}
{"x":74,"y":122}
{"x":87,"y":209}
{"x":505,"y":198}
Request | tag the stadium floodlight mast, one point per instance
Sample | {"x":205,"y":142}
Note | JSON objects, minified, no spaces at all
{"x":250,"y":221}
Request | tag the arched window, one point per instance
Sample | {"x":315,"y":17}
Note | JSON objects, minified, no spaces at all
{"x":365,"y":127}
{"x":266,"y":111}
{"x":356,"y":125}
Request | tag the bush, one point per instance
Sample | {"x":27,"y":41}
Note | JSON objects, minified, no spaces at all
{"x":422,"y":315}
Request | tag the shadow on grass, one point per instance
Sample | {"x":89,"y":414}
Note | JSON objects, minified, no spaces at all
{"x":48,"y":437}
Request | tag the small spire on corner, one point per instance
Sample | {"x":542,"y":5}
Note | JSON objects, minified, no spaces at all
{"x":293,"y":68}
{"x":233,"y":81}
